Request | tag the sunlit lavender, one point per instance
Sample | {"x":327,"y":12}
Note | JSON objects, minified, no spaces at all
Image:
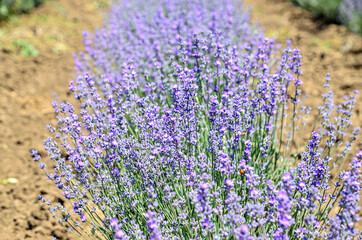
{"x":191,"y":126}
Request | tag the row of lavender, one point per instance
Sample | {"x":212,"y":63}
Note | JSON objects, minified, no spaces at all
{"x":190,"y":127}
{"x":347,"y":12}
{"x":350,"y":14}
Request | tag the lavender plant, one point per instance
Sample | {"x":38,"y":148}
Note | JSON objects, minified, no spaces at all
{"x":347,"y":12}
{"x":350,"y":14}
{"x":188,"y":129}
{"x":326,"y":8}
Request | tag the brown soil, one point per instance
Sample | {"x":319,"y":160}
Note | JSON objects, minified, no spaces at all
{"x":28,"y":85}
{"x":27,"y":88}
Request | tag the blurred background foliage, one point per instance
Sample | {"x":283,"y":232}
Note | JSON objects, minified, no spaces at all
{"x":347,"y":12}
{"x":320,"y":8}
{"x":10,"y":7}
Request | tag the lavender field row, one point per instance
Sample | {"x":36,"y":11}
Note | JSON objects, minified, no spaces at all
{"x":189,"y":124}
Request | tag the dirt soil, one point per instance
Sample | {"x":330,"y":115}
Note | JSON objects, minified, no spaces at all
{"x":28,"y":86}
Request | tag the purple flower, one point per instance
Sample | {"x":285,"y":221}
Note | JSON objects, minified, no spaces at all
{"x":243,"y":232}
{"x":42,"y":165}
{"x":342,"y":225}
{"x":152,"y":225}
{"x":83,"y":218}
{"x":229,"y":184}
{"x":114,"y":224}
{"x":120,"y":235}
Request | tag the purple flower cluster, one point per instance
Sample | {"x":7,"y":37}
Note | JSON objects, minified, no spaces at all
{"x":187,"y":121}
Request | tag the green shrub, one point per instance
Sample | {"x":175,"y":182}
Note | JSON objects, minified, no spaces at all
{"x":10,"y":7}
{"x":326,"y":8}
{"x":26,"y":48}
{"x":350,"y":14}
{"x":5,"y":7}
{"x":347,"y":12}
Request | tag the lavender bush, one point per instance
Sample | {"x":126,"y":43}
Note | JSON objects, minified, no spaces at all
{"x":326,"y":8}
{"x":347,"y":12}
{"x":350,"y":14}
{"x":190,"y":127}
